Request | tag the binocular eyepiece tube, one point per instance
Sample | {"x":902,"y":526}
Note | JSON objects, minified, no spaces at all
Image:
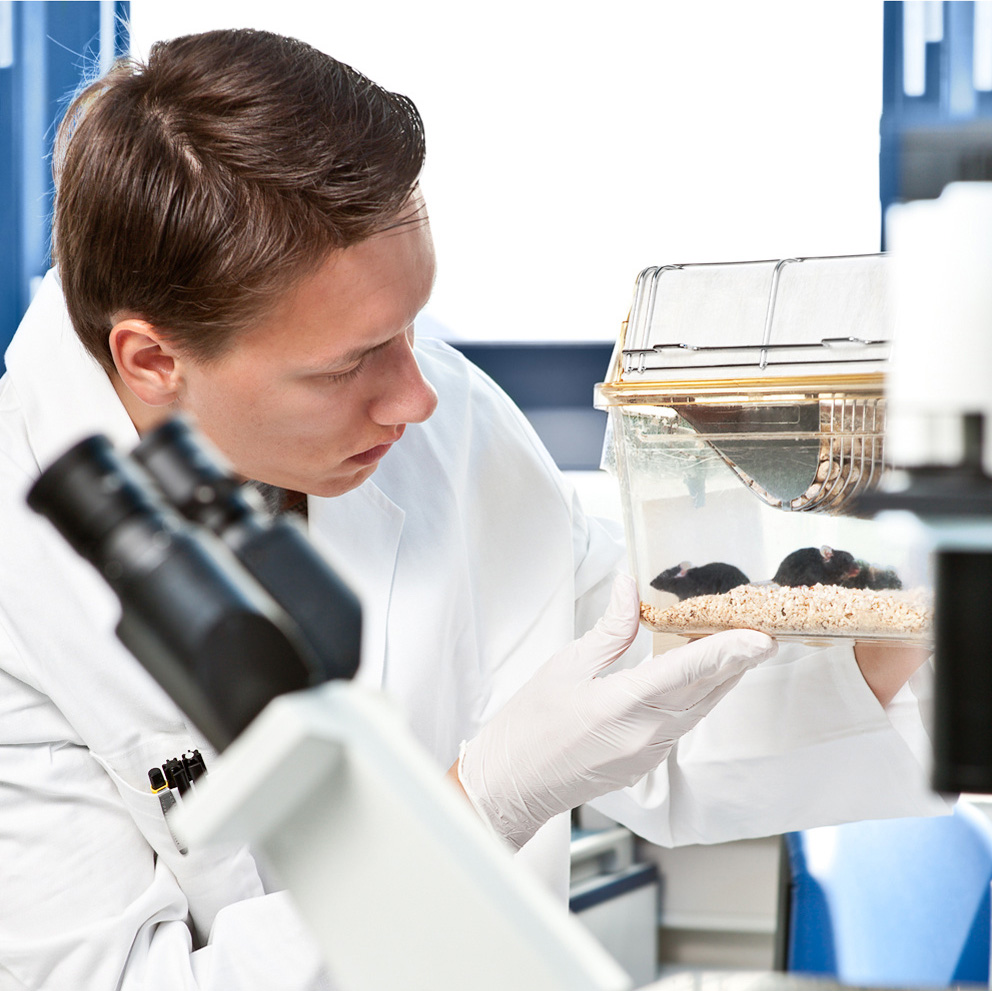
{"x":225,"y":606}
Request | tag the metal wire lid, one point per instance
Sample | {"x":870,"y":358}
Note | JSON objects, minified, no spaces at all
{"x":795,"y":316}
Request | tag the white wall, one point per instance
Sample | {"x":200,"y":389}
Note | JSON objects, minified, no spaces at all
{"x":570,"y":145}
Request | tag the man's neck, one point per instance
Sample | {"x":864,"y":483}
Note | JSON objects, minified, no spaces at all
{"x":279,"y":500}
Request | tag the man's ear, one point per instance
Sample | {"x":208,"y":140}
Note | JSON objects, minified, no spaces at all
{"x":147,"y":364}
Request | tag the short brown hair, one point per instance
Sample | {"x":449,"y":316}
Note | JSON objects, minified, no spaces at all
{"x":196,"y":189}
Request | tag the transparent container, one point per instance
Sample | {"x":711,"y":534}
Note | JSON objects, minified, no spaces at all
{"x":746,"y":417}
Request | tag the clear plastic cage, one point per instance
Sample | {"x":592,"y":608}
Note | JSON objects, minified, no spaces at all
{"x":741,"y":456}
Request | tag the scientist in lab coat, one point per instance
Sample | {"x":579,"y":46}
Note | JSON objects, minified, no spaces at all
{"x":239,"y":235}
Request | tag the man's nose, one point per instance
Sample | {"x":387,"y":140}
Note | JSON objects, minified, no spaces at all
{"x":406,"y":396}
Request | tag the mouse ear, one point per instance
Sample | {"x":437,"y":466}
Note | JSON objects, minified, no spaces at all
{"x":826,"y":552}
{"x":684,"y":567}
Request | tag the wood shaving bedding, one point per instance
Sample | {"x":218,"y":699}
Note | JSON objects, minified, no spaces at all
{"x":812,"y":610}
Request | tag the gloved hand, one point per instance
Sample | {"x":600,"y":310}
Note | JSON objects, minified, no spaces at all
{"x":568,"y":736}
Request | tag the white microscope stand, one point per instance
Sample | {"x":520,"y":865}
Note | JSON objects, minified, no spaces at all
{"x":401,"y":884}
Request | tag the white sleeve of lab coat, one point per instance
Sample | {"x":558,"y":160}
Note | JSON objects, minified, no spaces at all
{"x":800,"y":742}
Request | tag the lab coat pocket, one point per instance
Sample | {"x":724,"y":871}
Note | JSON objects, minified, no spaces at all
{"x":151,"y":814}
{"x":210,"y":877}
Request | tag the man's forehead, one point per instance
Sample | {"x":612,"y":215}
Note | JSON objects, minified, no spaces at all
{"x":358,"y":299}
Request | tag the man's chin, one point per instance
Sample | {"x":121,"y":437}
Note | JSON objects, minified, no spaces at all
{"x":340,"y":485}
{"x":274,"y":494}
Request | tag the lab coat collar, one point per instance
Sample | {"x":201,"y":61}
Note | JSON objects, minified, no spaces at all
{"x":359,"y":533}
{"x":65,"y":394}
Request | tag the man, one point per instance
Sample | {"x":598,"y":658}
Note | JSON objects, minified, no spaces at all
{"x":239,"y":235}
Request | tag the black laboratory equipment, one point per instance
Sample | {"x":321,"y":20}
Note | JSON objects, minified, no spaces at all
{"x":275,"y":549}
{"x":954,"y":502}
{"x":193,"y":610}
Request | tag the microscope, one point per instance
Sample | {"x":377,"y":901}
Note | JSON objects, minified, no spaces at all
{"x":226,"y":607}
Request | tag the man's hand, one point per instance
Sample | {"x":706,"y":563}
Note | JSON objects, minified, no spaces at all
{"x":568,"y":736}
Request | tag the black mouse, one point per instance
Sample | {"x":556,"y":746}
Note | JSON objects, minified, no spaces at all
{"x":816,"y":566}
{"x":871,"y":577}
{"x":708,"y":579}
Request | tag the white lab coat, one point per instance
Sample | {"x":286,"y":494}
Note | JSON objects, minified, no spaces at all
{"x":474,"y":563}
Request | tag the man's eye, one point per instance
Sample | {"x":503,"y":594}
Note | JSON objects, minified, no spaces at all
{"x":347,"y":374}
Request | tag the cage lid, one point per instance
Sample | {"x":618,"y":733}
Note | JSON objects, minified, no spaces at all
{"x":794,"y":317}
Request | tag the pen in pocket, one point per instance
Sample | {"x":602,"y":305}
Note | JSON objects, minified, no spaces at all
{"x":167,"y":801}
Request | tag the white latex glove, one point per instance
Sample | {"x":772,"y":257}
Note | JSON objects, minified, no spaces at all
{"x":567,"y":736}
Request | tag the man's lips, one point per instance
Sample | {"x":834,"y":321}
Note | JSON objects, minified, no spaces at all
{"x":373,"y":454}
{"x":370,"y":456}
